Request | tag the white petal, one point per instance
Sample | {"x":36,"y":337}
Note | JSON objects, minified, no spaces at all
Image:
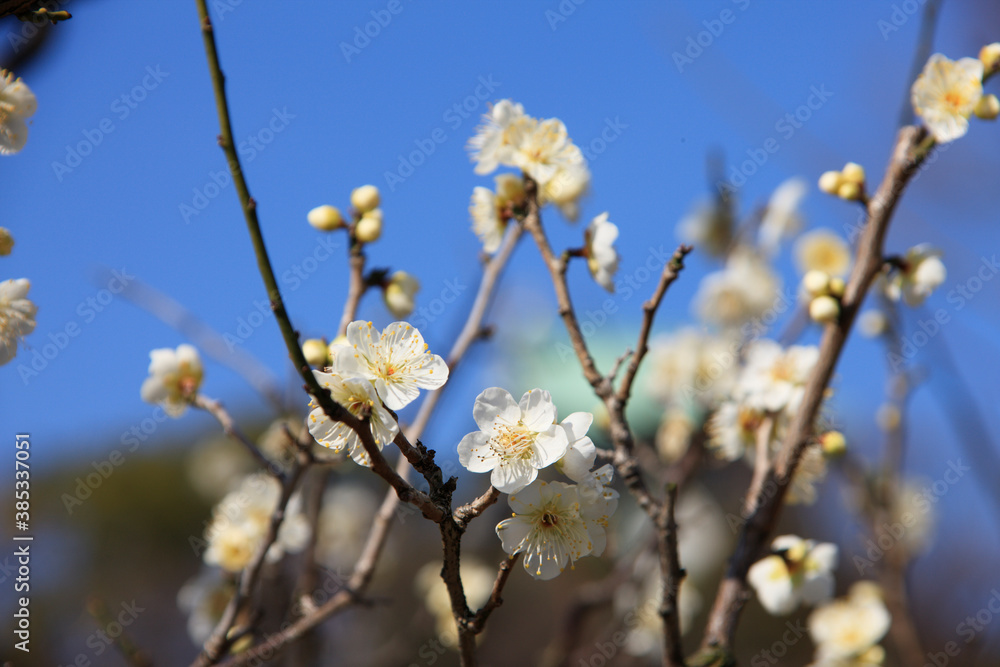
{"x":475,"y":454}
{"x":512,"y":533}
{"x":495,"y":404}
{"x":537,"y":409}
{"x":513,"y":476}
{"x":550,"y":446}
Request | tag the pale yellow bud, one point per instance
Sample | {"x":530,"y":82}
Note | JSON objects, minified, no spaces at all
{"x":325,"y":218}
{"x":989,"y":55}
{"x":316,"y":353}
{"x":837,"y":287}
{"x":400,"y":294}
{"x":369,"y":227}
{"x":834,"y":443}
{"x":830,"y":182}
{"x":6,"y":242}
{"x":988,"y":107}
{"x":824,"y":309}
{"x":817,"y":283}
{"x":854,"y":173}
{"x":365,"y":198}
{"x":849,"y":190}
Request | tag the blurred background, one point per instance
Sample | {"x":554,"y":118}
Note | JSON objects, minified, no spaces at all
{"x":121,"y":173}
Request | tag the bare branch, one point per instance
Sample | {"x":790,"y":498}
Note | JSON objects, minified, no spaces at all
{"x":671,"y":576}
{"x":478,"y":622}
{"x":466,"y":513}
{"x":215,"y":409}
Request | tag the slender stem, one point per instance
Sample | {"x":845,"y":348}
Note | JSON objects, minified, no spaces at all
{"x":355,"y":289}
{"x":215,"y":409}
{"x":671,"y":576}
{"x":496,"y":595}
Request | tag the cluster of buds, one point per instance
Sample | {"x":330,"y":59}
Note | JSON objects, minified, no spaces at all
{"x":824,"y":292}
{"x":848,"y":183}
{"x":988,"y":107}
{"x":367,"y":216}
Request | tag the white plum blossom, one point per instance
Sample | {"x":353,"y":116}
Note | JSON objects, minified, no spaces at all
{"x":822,"y":250}
{"x":847,"y":631}
{"x":946,"y":94}
{"x":549,"y":528}
{"x":174,"y":378}
{"x":565,"y":189}
{"x":542,"y":148}
{"x":487,"y":222}
{"x":598,"y":501}
{"x":396,"y":361}
{"x":732,"y":430}
{"x":358,"y":396}
{"x":782,"y":217}
{"x":922,"y":272}
{"x":602,"y":258}
{"x":17,"y":102}
{"x":745,"y":289}
{"x":798,"y":571}
{"x":774,"y":377}
{"x":691,"y":366}
{"x":515,"y":440}
{"x":17,"y":316}
{"x":491,"y":146}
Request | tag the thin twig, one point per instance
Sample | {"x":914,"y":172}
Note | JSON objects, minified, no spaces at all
{"x":671,"y":576}
{"x":229,"y":427}
{"x":131,"y":653}
{"x":478,"y":622}
{"x":356,"y":287}
{"x":468,"y":512}
{"x":761,"y":464}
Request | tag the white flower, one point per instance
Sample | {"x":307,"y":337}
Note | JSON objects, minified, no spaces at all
{"x":17,"y":102}
{"x":400,"y":293}
{"x":241,"y":520}
{"x":547,"y":527}
{"x":745,"y":289}
{"x":516,"y":440}
{"x":691,"y":366}
{"x":491,"y":144}
{"x":799,"y":571}
{"x":849,"y":628}
{"x":397,"y":362}
{"x":945,"y":95}
{"x":17,"y":316}
{"x":822,"y":250}
{"x":782,"y":218}
{"x":204,"y":599}
{"x":174,"y":378}
{"x":487,"y":222}
{"x":708,"y":226}
{"x":774,"y":378}
{"x":566,"y":188}
{"x":543,"y":149}
{"x":602,"y":258}
{"x":922,"y":273}
{"x":732,"y":430}
{"x":358,"y":396}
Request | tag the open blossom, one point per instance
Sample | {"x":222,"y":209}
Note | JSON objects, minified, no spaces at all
{"x":17,"y":102}
{"x":542,"y":148}
{"x":548,"y":527}
{"x":782,"y":217}
{"x":774,"y":377}
{"x":241,"y":520}
{"x":822,"y":250}
{"x":598,"y":500}
{"x":359,"y":397}
{"x":17,"y":316}
{"x":745,"y":289}
{"x":691,"y":366}
{"x":945,"y":95}
{"x":396,"y":361}
{"x":847,"y":631}
{"x":515,"y":440}
{"x":566,"y":188}
{"x":922,"y":272}
{"x":602,"y":258}
{"x":732,"y":430}
{"x":798,"y":571}
{"x":174,"y":378}
{"x":491,"y":146}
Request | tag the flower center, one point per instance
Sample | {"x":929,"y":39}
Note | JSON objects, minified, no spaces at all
{"x":549,"y":520}
{"x":512,"y":441}
{"x":954,"y":100}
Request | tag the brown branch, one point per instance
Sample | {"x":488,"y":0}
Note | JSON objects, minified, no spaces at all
{"x":912,"y":147}
{"x":356,"y":288}
{"x":761,"y":464}
{"x":229,"y":427}
{"x":478,"y":621}
{"x":468,"y":512}
{"x":130,"y":651}
{"x":671,"y":576}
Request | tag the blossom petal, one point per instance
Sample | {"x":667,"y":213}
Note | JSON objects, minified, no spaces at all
{"x":495,"y":404}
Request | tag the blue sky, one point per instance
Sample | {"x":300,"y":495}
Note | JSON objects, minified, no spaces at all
{"x":316,"y":119}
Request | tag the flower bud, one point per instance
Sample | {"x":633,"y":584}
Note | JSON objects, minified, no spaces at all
{"x":830,"y":182}
{"x":988,"y":107}
{"x":824,"y":309}
{"x":989,"y":55}
{"x":399,"y":294}
{"x":316,"y":353}
{"x":837,"y":287}
{"x":365,"y":198}
{"x":369,"y":227}
{"x":853,"y":173}
{"x":325,"y":218}
{"x":834,"y":443}
{"x":817,"y":283}
{"x":6,"y":242}
{"x":849,"y":190}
